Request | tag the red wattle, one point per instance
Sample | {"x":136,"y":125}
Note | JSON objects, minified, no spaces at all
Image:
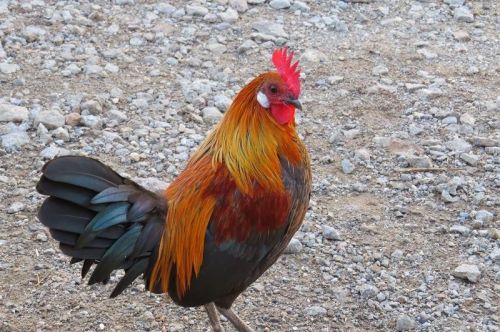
{"x":283,"y":113}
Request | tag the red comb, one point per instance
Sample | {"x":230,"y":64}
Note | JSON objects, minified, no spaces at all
{"x":282,"y":60}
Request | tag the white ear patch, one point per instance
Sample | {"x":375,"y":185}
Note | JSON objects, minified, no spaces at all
{"x":262,"y":99}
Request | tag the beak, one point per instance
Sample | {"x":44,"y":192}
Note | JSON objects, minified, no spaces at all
{"x":295,"y":102}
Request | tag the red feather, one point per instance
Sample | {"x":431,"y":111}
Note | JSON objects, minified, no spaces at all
{"x":289,"y":73}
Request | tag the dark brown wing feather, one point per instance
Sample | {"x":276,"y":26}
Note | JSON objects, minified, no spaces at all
{"x":231,"y":264}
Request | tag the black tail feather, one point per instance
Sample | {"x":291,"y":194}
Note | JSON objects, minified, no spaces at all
{"x":101,"y":218}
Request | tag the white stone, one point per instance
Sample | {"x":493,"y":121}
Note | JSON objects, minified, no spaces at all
{"x":13,"y":113}
{"x":469,"y":158}
{"x":14,"y":140}
{"x":468,"y":272}
{"x":463,"y":14}
{"x":51,"y":119}
{"x":467,"y":118}
{"x":241,"y":6}
{"x":196,"y":10}
{"x":211,"y":114}
{"x":294,"y":247}
{"x":313,"y":55}
{"x":280,"y":4}
{"x":460,"y":229}
{"x":380,"y":70}
{"x":270,"y":28}
{"x":8,"y":68}
{"x":229,"y":16}
{"x":331,"y":233}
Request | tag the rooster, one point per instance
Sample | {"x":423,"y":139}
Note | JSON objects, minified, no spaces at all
{"x":216,"y":228}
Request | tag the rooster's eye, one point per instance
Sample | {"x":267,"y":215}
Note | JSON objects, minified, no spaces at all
{"x":273,"y":89}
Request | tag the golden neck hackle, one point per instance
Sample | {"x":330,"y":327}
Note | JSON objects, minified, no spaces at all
{"x":248,"y":141}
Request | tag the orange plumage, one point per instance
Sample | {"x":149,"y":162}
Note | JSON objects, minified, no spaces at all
{"x":224,"y":220}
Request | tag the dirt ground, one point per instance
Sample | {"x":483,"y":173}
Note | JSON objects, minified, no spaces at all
{"x":396,"y":96}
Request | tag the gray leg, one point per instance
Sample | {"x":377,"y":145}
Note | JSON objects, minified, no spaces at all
{"x":235,"y":320}
{"x":213,"y":315}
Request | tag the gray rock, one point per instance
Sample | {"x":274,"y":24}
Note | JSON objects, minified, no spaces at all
{"x":71,"y":70}
{"x":41,"y":236}
{"x":448,"y":198}
{"x":241,"y":6}
{"x":8,"y":68}
{"x":484,"y":142}
{"x":13,"y":141}
{"x":137,"y":41}
{"x":117,"y":115}
{"x":368,"y":291}
{"x":470,"y":158}
{"x":16,"y":207}
{"x":468,"y":119}
{"x":415,"y":130}
{"x":458,"y":145}
{"x":50,"y":118}
{"x":196,"y":10}
{"x":229,"y":16}
{"x":404,"y":323}
{"x":411,"y":87}
{"x":347,"y":166}
{"x":111,"y":68}
{"x":430,"y":93}
{"x":280,"y":4}
{"x":165,"y":8}
{"x":313,"y":56}
{"x":331,"y":233}
{"x":428,"y":54}
{"x":315,"y":311}
{"x":61,"y":133}
{"x":211,"y":114}
{"x":222,"y":102}
{"x":247,"y":45}
{"x":92,"y":69}
{"x":32,"y":33}
{"x":463,"y":14}
{"x":294,"y":247}
{"x":380,"y":70}
{"x":472,"y":70}
{"x":461,"y":35}
{"x":92,"y":121}
{"x":116,"y":92}
{"x":454,"y":3}
{"x":91,"y":106}
{"x":13,"y":113}
{"x":450,"y":120}
{"x":362,"y":154}
{"x":300,"y":5}
{"x":419,"y":162}
{"x":467,"y":272}
{"x":484,"y":216}
{"x":270,"y":28}
{"x":217,"y":48}
{"x":495,"y":255}
{"x":49,"y":152}
{"x":460,"y":229}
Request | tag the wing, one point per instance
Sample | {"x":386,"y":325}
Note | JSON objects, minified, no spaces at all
{"x":245,"y":235}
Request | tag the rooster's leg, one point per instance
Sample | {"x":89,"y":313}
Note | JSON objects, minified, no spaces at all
{"x":233,"y":318}
{"x":213,"y":315}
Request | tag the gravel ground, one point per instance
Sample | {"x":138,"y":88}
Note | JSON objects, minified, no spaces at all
{"x":401,"y":119}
